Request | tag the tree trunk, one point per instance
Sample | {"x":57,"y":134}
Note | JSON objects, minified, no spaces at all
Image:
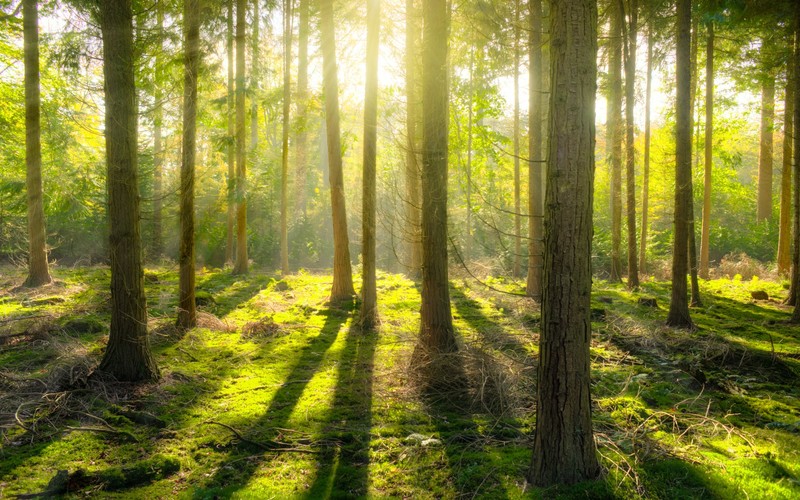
{"x":679,"y":307}
{"x":796,"y":154}
{"x":302,"y":110}
{"x":241,"y":265}
{"x":342,"y":288}
{"x":38,"y":272}
{"x":187,"y":313}
{"x":695,"y":295}
{"x":369,"y":297}
{"x":785,"y":233}
{"x":646,"y":162}
{"x":157,"y":245}
{"x":127,"y":356}
{"x":412,"y":170}
{"x":470,"y":123}
{"x":564,"y":450}
{"x":630,"y":126}
{"x":704,"y":238}
{"x":614,"y":133}
{"x":535,"y":157}
{"x":287,"y":97}
{"x":436,"y":329}
{"x":231,"y":150}
{"x":764,"y":208}
{"x":517,"y":178}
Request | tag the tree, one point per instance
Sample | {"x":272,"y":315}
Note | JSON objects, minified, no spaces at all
{"x":231,"y":149}
{"x":706,"y":223}
{"x":646,"y":160}
{"x":158,"y":147}
{"x":369,"y":299}
{"x":764,"y":205}
{"x":564,"y":450}
{"x":679,"y":307}
{"x":412,"y":170}
{"x":127,"y":356}
{"x":436,"y":325}
{"x":38,"y":272}
{"x":517,"y":179}
{"x":614,"y":134}
{"x":796,"y":172}
{"x":342,"y":288}
{"x":535,"y":157}
{"x":240,"y":267}
{"x":302,"y":108}
{"x":784,"y":236}
{"x":187,"y":311}
{"x":287,"y":88}
{"x":630,"y":126}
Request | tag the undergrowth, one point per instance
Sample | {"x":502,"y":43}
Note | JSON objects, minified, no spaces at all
{"x":279,"y":394}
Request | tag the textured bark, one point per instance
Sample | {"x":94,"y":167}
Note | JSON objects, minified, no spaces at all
{"x":38,"y":272}
{"x":535,"y":157}
{"x":785,"y":233}
{"x":287,"y":98}
{"x":157,"y":244}
{"x":630,"y":149}
{"x":796,"y":156}
{"x":470,"y":124}
{"x":436,"y":329}
{"x":564,"y":450}
{"x":412,"y":171}
{"x":765,"y":162}
{"x":517,"y":179}
{"x":695,"y":294}
{"x":342,"y":288}
{"x":646,"y":160}
{"x":706,"y":227}
{"x":187,"y":311}
{"x":255,"y":74}
{"x":241,"y":265}
{"x":127,"y":356}
{"x":302,"y":110}
{"x":369,"y":297}
{"x":614,"y":134}
{"x":231,"y":150}
{"x":679,"y":306}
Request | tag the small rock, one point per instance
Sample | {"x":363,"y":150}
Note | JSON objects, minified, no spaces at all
{"x":431,"y":442}
{"x":759,"y":295}
{"x":647,"y":302}
{"x":598,"y":314}
{"x":415,"y":438}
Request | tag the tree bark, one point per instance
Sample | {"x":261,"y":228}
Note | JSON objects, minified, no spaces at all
{"x":157,"y":246}
{"x":517,"y":179}
{"x":764,"y":208}
{"x":302,"y":110}
{"x":695,"y":285}
{"x":231,"y":150}
{"x":614,"y":126}
{"x":412,"y":170}
{"x":38,"y":272}
{"x":564,"y":450}
{"x":127,"y":356}
{"x":785,"y":233}
{"x":796,"y":155}
{"x":369,"y":296}
{"x":342,"y":288}
{"x":470,"y":123}
{"x":241,"y":265}
{"x":679,"y":307}
{"x":187,"y":311}
{"x":646,"y":160}
{"x":706,"y":227}
{"x":287,"y":96}
{"x":535,"y":157}
{"x":630,"y":126}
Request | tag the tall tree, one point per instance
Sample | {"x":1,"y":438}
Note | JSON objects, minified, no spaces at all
{"x":436,"y":326}
{"x":614,"y":133}
{"x":785,"y":233}
{"x":646,"y":160}
{"x":564,"y":450}
{"x":679,"y":306}
{"x":764,"y":206}
{"x":240,"y":267}
{"x":796,"y":172}
{"x":287,"y":89}
{"x":158,"y":139}
{"x":302,"y":109}
{"x":38,"y":272}
{"x":369,"y":296}
{"x":706,"y":223}
{"x":231,"y":149}
{"x":630,"y":126}
{"x":535,"y":157}
{"x":187,"y":312}
{"x":517,"y":178}
{"x":412,"y":170}
{"x":470,"y":126}
{"x":342,"y":272}
{"x":127,"y":356}
{"x":695,"y":294}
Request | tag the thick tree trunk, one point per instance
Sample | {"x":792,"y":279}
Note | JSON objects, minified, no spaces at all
{"x":157,"y":245}
{"x":764,"y":207}
{"x":706,"y":227}
{"x":535,"y":157}
{"x":241,"y":265}
{"x":630,"y":155}
{"x":369,"y":296}
{"x":679,"y":306}
{"x":412,"y":170}
{"x":127,"y":356}
{"x":796,"y":155}
{"x":785,"y":233}
{"x":517,"y":179}
{"x":302,"y":110}
{"x":38,"y":272}
{"x":187,"y":312}
{"x":646,"y":160}
{"x":614,"y":133}
{"x":564,"y":450}
{"x":342,"y":288}
{"x":231,"y":150}
{"x":287,"y":96}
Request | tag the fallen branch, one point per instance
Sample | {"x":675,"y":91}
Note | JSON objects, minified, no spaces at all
{"x":268,"y":446}
{"x":107,"y":430}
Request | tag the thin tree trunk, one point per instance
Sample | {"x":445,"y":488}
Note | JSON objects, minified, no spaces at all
{"x":38,"y":272}
{"x":412,"y":170}
{"x":695,"y":285}
{"x":342,"y":288}
{"x":796,"y":155}
{"x":764,"y":207}
{"x":517,"y":178}
{"x":127,"y":356}
{"x":564,"y":450}
{"x":158,"y":140}
{"x":679,"y":306}
{"x":704,"y":239}
{"x":302,"y":110}
{"x":255,"y":74}
{"x":369,"y":296}
{"x":470,"y":118}
{"x":535,"y":157}
{"x":614,"y":126}
{"x":231,"y":150}
{"x":646,"y":162}
{"x":187,"y":313}
{"x":630,"y":156}
{"x":785,"y":233}
{"x":241,"y":265}
{"x":287,"y":95}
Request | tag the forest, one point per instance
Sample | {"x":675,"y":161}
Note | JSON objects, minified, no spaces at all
{"x":399,"y":249}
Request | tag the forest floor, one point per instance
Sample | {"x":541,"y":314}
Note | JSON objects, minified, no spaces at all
{"x":279,"y":394}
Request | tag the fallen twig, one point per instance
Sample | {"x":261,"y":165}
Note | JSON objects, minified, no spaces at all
{"x":268,"y":446}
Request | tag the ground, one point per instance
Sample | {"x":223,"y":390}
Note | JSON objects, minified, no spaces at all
{"x":280,"y":394}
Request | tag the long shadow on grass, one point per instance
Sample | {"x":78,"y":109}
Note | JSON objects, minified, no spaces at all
{"x":228,"y":480}
{"x":227,"y":295}
{"x":344,"y":470}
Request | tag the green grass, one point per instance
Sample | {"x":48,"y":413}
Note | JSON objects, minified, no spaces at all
{"x":279,"y":394}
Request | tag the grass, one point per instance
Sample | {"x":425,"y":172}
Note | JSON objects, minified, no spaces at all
{"x":279,"y":394}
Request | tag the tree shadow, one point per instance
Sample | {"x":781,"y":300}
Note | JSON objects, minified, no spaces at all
{"x":230,"y":291}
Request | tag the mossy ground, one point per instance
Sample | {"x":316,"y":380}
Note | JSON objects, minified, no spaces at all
{"x":279,"y":394}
